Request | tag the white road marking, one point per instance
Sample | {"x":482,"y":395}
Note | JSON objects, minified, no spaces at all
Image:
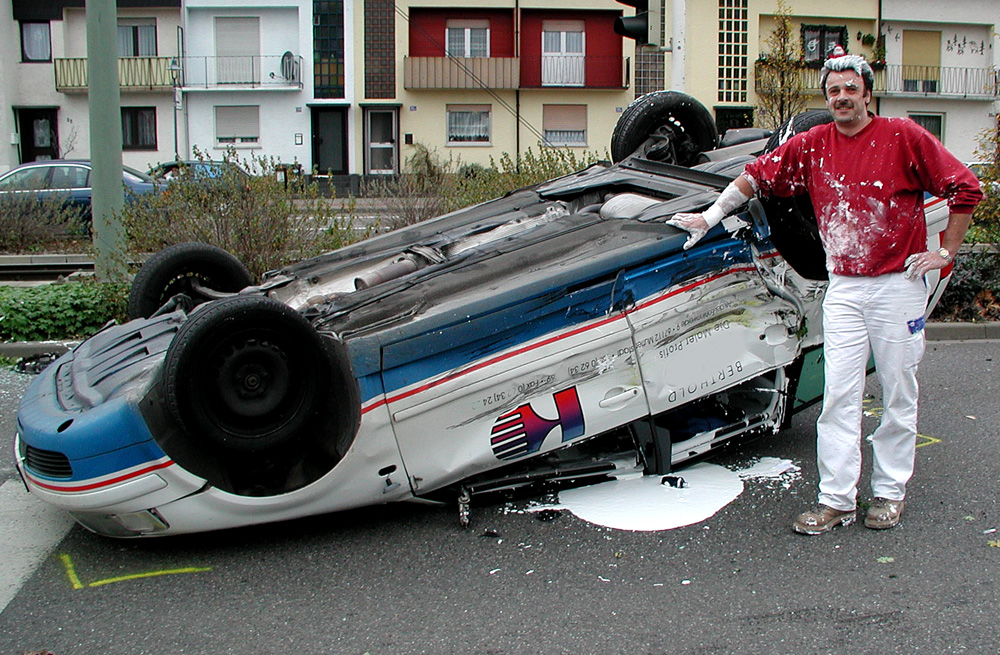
{"x":29,"y":530}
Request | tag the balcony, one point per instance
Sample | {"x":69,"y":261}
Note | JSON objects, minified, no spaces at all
{"x":574,"y":71}
{"x":461,"y":73}
{"x":277,"y":72}
{"x":134,"y":74}
{"x":945,"y":83}
{"x":896,"y":80}
{"x":569,"y":71}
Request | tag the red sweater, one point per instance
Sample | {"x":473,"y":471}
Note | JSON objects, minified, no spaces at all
{"x":868,"y":189}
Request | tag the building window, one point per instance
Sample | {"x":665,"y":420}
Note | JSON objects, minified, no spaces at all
{"x":564,"y":125}
{"x":468,"y":124}
{"x":328,"y":48}
{"x":380,"y":49}
{"x":35,"y":42}
{"x":237,"y":125}
{"x":137,"y":37}
{"x":733,"y":38}
{"x":237,"y":49}
{"x":468,"y":38}
{"x":933,"y":123}
{"x":818,"y":42}
{"x":138,"y":128}
{"x":731,"y":118}
{"x":563,"y":53}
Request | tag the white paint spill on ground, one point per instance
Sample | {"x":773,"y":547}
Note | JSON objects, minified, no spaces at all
{"x":645,"y":504}
{"x":29,"y":530}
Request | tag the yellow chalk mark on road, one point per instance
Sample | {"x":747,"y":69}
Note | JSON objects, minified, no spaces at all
{"x":924,"y":440}
{"x":875,"y":411}
{"x":71,"y":571}
{"x":74,"y":579}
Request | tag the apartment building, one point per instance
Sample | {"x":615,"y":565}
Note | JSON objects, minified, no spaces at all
{"x":941,"y":66}
{"x":44,"y":82}
{"x":350,"y":88}
{"x":482,"y":79}
{"x":243,"y":78}
{"x":933,"y":62}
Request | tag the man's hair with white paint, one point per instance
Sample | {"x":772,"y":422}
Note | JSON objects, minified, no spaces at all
{"x":843,"y":63}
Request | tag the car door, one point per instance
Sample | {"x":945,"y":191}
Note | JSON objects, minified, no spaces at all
{"x":514,"y":380}
{"x":72,"y":182}
{"x":713,"y":324}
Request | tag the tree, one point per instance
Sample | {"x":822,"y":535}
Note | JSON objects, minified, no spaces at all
{"x":781,"y":90}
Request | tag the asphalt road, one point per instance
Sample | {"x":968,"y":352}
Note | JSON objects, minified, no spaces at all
{"x":407,"y":579}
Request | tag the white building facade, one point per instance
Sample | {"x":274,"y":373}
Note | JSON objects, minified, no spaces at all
{"x":941,"y":68}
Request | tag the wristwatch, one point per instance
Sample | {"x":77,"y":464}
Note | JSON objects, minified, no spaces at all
{"x":947,"y":256}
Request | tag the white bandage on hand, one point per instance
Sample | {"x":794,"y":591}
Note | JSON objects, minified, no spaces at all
{"x":698,"y":225}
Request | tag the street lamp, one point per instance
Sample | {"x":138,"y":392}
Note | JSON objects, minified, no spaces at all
{"x":175,"y":78}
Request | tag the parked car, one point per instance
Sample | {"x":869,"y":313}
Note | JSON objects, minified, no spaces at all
{"x":67,"y":179}
{"x":199,"y":169}
{"x":558,"y":333}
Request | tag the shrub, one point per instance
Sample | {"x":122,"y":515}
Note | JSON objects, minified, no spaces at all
{"x":479,"y":184}
{"x":419,"y":193}
{"x":973,"y":294}
{"x":264,"y":222}
{"x":32,"y":222}
{"x":59,"y":311}
{"x":986,"y":223}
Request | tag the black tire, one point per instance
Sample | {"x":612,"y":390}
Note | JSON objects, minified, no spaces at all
{"x":793,"y":221}
{"x":798,"y":123}
{"x":672,"y":127}
{"x":175,"y":269}
{"x":247,"y":375}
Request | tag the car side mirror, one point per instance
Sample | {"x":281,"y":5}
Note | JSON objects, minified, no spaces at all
{"x":760,"y":226}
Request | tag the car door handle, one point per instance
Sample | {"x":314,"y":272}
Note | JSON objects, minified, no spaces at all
{"x":621,"y":395}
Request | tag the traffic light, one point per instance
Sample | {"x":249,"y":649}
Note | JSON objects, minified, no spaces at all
{"x":645,"y":26}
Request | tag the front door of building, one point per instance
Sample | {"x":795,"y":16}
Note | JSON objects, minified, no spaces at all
{"x":381,"y":142}
{"x":329,"y":140}
{"x":39,"y":134}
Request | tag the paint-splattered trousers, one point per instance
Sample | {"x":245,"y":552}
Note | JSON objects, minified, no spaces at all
{"x":882,"y":316}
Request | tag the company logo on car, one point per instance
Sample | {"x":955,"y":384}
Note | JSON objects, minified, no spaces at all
{"x":521,"y":431}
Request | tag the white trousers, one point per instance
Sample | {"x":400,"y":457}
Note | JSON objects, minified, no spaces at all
{"x":883,"y":316}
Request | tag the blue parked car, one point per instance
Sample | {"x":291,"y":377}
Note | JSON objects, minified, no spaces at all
{"x":66,"y":178}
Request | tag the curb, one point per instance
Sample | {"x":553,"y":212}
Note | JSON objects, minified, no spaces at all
{"x":937,"y":331}
{"x":942,"y":331}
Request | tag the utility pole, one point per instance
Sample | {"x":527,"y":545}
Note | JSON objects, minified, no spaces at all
{"x":108,"y":195}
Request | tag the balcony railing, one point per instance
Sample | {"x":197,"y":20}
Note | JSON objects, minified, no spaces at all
{"x":591,"y":71}
{"x":254,"y":72}
{"x":923,"y":81}
{"x":134,"y":74}
{"x":975,"y":83}
{"x":461,"y":73}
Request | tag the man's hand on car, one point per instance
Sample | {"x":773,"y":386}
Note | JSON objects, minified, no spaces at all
{"x":694,"y":224}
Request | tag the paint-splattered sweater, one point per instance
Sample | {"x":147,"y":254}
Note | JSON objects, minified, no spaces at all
{"x":868,"y":189}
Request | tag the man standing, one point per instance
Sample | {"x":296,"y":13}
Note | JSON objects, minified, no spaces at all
{"x":866,"y":176}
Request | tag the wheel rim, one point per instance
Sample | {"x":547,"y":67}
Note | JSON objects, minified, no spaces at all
{"x":250,"y":387}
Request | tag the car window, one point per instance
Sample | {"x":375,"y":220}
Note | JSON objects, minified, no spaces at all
{"x":132,"y":175}
{"x":69,"y":177}
{"x":29,"y":178}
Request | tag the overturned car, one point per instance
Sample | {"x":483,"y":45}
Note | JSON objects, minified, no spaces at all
{"x":558,"y":333}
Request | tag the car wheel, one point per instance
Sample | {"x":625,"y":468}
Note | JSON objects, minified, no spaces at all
{"x":671,"y":126}
{"x":246,"y":374}
{"x":196,"y":270}
{"x":792,"y":220}
{"x":798,"y":123}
